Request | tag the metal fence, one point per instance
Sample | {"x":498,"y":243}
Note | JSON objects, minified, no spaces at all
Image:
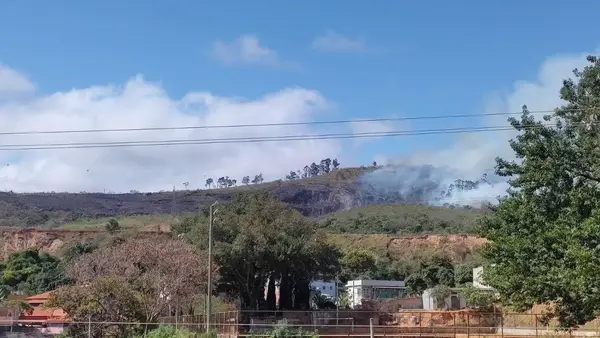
{"x":382,"y":324}
{"x":335,"y":324}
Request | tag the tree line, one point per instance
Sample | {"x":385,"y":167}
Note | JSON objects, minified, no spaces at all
{"x":312,"y":170}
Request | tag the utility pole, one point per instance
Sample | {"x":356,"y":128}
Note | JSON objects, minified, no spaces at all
{"x":211,"y":220}
{"x":337,"y":301}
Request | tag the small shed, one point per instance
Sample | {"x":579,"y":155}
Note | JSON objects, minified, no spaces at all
{"x":453,"y":302}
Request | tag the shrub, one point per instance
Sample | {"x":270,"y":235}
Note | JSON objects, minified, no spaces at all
{"x":167,"y":331}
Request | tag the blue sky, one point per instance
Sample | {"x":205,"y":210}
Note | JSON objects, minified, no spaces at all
{"x":419,"y":57}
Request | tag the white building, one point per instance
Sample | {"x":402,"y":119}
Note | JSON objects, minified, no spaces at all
{"x":328,"y":289}
{"x":454,"y":301}
{"x":359,"y":290}
{"x":478,"y":281}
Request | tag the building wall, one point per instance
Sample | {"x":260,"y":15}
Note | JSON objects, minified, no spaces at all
{"x":374,"y":289}
{"x":326,"y":288}
{"x":430,"y":303}
{"x":478,"y":281}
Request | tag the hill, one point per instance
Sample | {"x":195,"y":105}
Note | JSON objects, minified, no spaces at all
{"x":458,"y":247}
{"x":403,"y":219}
{"x":312,"y":197}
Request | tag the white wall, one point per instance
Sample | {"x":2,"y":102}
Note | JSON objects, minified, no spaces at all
{"x":430,"y":303}
{"x":326,"y":288}
{"x":478,"y":281}
{"x":366,"y":289}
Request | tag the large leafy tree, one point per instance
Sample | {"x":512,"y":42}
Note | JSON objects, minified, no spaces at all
{"x":260,"y":241}
{"x":136,"y":281}
{"x":32,"y":272}
{"x":545,"y":236}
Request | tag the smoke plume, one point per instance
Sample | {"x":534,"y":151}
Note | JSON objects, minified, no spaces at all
{"x":429,"y":184}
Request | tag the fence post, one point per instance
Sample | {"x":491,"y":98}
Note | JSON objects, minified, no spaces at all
{"x":536,"y":324}
{"x":454,"y":323}
{"x":502,"y":324}
{"x":90,"y":326}
{"x":371,"y":333}
{"x":468,"y":324}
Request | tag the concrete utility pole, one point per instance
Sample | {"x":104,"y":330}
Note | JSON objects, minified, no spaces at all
{"x":211,"y":218}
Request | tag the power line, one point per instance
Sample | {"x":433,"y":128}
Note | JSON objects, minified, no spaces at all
{"x":389,"y":119}
{"x":119,"y":144}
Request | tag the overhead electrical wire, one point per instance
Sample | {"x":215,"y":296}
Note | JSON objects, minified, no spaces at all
{"x":261,"y":125}
{"x":262,"y":139}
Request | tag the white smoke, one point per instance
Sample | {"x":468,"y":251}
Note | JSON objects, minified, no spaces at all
{"x":431,"y":185}
{"x":474,"y":154}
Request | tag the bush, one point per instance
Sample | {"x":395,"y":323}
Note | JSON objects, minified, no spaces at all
{"x":283,"y":330}
{"x":112,"y":226}
{"x":167,"y":331}
{"x":483,"y":300}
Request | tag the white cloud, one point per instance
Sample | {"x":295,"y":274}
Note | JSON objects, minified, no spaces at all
{"x":247,"y":50}
{"x":139,"y":103}
{"x":332,"y":41}
{"x":14,"y":84}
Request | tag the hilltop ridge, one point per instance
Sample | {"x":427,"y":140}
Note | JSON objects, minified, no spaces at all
{"x":312,"y":197}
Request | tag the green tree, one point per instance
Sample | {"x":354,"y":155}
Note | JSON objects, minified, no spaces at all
{"x":479,"y":299}
{"x":112,"y":226}
{"x":32,"y":272}
{"x":259,"y":239}
{"x":545,"y":235}
{"x":415,"y":284}
{"x":358,"y":264}
{"x":440,"y":293}
{"x":463,"y":273}
{"x":78,"y":249}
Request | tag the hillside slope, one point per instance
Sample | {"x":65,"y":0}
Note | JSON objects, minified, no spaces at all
{"x":315,"y":197}
{"x":458,"y":247}
{"x":312,"y":197}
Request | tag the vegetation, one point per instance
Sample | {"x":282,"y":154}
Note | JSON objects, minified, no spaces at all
{"x":440,"y":293}
{"x":259,"y":240}
{"x":112,"y":226}
{"x":283,"y":330}
{"x":483,"y":300}
{"x":545,"y":236}
{"x":313,"y":170}
{"x":166,"y":331}
{"x":31,"y":272}
{"x":403,"y":219}
{"x":136,"y":281}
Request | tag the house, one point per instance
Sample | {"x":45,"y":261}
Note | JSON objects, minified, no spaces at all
{"x":48,"y":320}
{"x":454,"y":301}
{"x":365,"y":289}
{"x":327,"y":289}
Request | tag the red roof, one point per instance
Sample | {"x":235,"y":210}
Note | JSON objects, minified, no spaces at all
{"x":42,"y":297}
{"x":41,"y":313}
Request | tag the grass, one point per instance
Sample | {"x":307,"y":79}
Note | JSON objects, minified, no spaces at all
{"x":132,"y":222}
{"x":403,"y":219}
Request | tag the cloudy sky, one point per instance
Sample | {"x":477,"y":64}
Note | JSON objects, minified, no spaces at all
{"x":114,"y":64}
